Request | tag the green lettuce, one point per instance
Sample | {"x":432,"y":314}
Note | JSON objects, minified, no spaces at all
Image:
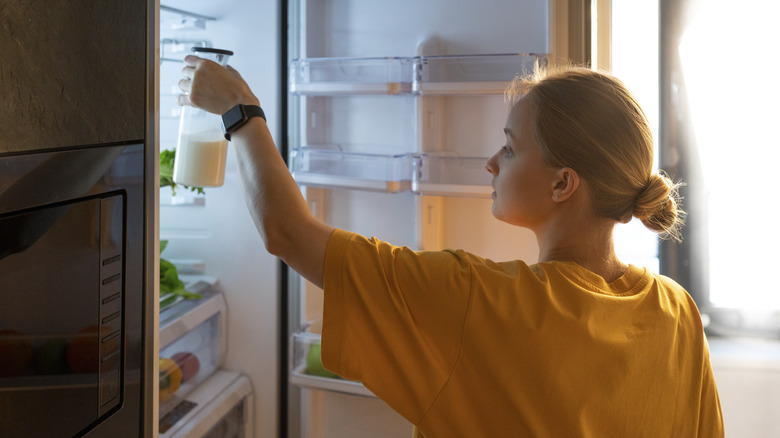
{"x":170,"y":283}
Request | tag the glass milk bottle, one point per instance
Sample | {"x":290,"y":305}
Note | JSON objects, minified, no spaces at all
{"x":202,"y":149}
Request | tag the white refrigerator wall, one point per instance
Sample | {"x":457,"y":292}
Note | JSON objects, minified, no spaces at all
{"x":468,"y":125}
{"x":471,"y":126}
{"x":221,"y":233}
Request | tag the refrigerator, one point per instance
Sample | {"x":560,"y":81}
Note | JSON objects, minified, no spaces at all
{"x":386,"y":113}
{"x":231,"y":331}
{"x":394,"y":109}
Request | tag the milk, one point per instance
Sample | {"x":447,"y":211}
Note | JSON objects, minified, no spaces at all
{"x":202,"y":149}
{"x":200,"y":161}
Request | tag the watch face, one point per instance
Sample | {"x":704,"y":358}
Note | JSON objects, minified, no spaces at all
{"x":233,"y":117}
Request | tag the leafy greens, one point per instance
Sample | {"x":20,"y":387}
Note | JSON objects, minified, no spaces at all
{"x":171,"y":286}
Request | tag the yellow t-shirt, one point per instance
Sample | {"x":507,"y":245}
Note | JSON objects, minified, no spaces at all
{"x":465,"y":347}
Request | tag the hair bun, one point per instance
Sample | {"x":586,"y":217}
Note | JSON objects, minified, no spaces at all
{"x":658,"y":204}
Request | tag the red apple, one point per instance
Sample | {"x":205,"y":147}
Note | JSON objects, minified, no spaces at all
{"x":189,"y":364}
{"x":82,"y":352}
{"x":16,"y":353}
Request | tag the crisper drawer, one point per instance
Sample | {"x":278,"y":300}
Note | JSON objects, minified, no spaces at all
{"x":192,"y":348}
{"x":306,"y":368}
{"x":221,"y":407}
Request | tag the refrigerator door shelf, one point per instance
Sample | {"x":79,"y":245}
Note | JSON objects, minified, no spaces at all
{"x":451,"y":175}
{"x":474,"y":74}
{"x":299,"y":377}
{"x":221,"y":406}
{"x":333,"y":168}
{"x":419,"y":75}
{"x":439,"y":174}
{"x":306,"y":368}
{"x":333,"y":76}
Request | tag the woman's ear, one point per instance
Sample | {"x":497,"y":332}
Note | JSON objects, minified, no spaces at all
{"x":565,"y":185}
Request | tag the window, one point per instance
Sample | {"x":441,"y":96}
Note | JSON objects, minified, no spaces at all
{"x":719,"y":95}
{"x":634,"y":60}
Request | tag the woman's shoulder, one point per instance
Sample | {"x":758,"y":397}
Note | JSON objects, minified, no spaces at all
{"x":462,"y":257}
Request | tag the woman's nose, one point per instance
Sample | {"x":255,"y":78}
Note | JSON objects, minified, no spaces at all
{"x":490,"y":166}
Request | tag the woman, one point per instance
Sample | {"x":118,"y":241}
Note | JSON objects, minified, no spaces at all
{"x":578,"y":344}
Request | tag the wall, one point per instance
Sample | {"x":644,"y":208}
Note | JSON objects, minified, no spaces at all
{"x":747,"y":373}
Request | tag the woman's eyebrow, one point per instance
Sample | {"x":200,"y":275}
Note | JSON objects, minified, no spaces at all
{"x":508,"y":132}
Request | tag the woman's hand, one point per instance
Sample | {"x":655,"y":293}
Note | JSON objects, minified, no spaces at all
{"x":213,"y":88}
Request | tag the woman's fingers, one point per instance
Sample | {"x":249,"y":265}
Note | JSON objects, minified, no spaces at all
{"x":185,"y":85}
{"x":209,"y":86}
{"x":184,"y":99}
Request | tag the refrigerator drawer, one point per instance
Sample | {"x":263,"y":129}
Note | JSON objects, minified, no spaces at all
{"x":306,"y":368}
{"x":419,"y":75}
{"x":192,"y":347}
{"x":221,"y":407}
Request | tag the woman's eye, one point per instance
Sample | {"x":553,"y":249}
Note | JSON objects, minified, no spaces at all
{"x":507,"y":150}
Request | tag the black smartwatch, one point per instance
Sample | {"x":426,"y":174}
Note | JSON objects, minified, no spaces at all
{"x":237,"y":116}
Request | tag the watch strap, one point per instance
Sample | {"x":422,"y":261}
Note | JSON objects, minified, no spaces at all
{"x":246,"y":112}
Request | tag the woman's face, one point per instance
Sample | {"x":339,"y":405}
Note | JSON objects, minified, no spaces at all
{"x":522,"y":181}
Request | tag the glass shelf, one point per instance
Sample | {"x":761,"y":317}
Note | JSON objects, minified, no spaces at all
{"x":183,"y":197}
{"x":423,"y":174}
{"x":419,"y":75}
{"x":333,"y":168}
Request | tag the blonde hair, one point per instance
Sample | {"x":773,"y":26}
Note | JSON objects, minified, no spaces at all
{"x":590,"y":122}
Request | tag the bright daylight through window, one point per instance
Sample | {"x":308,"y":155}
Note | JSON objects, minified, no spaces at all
{"x":635,"y":62}
{"x":733,"y":95}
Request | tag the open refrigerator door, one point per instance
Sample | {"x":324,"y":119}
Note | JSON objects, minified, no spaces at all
{"x":394,"y":111}
{"x":203,"y":391}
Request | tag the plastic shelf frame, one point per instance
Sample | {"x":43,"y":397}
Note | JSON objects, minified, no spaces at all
{"x":306,"y":369}
{"x":436,"y":174}
{"x":451,"y":175}
{"x":474,"y":74}
{"x":193,"y":335}
{"x":334,"y":168}
{"x":334,"y":76}
{"x":418,"y":75}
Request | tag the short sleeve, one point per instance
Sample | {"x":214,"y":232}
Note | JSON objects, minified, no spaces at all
{"x":710,"y":414}
{"x":393,"y":318}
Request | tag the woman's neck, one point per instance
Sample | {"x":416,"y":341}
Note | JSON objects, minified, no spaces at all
{"x":588,"y":243}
